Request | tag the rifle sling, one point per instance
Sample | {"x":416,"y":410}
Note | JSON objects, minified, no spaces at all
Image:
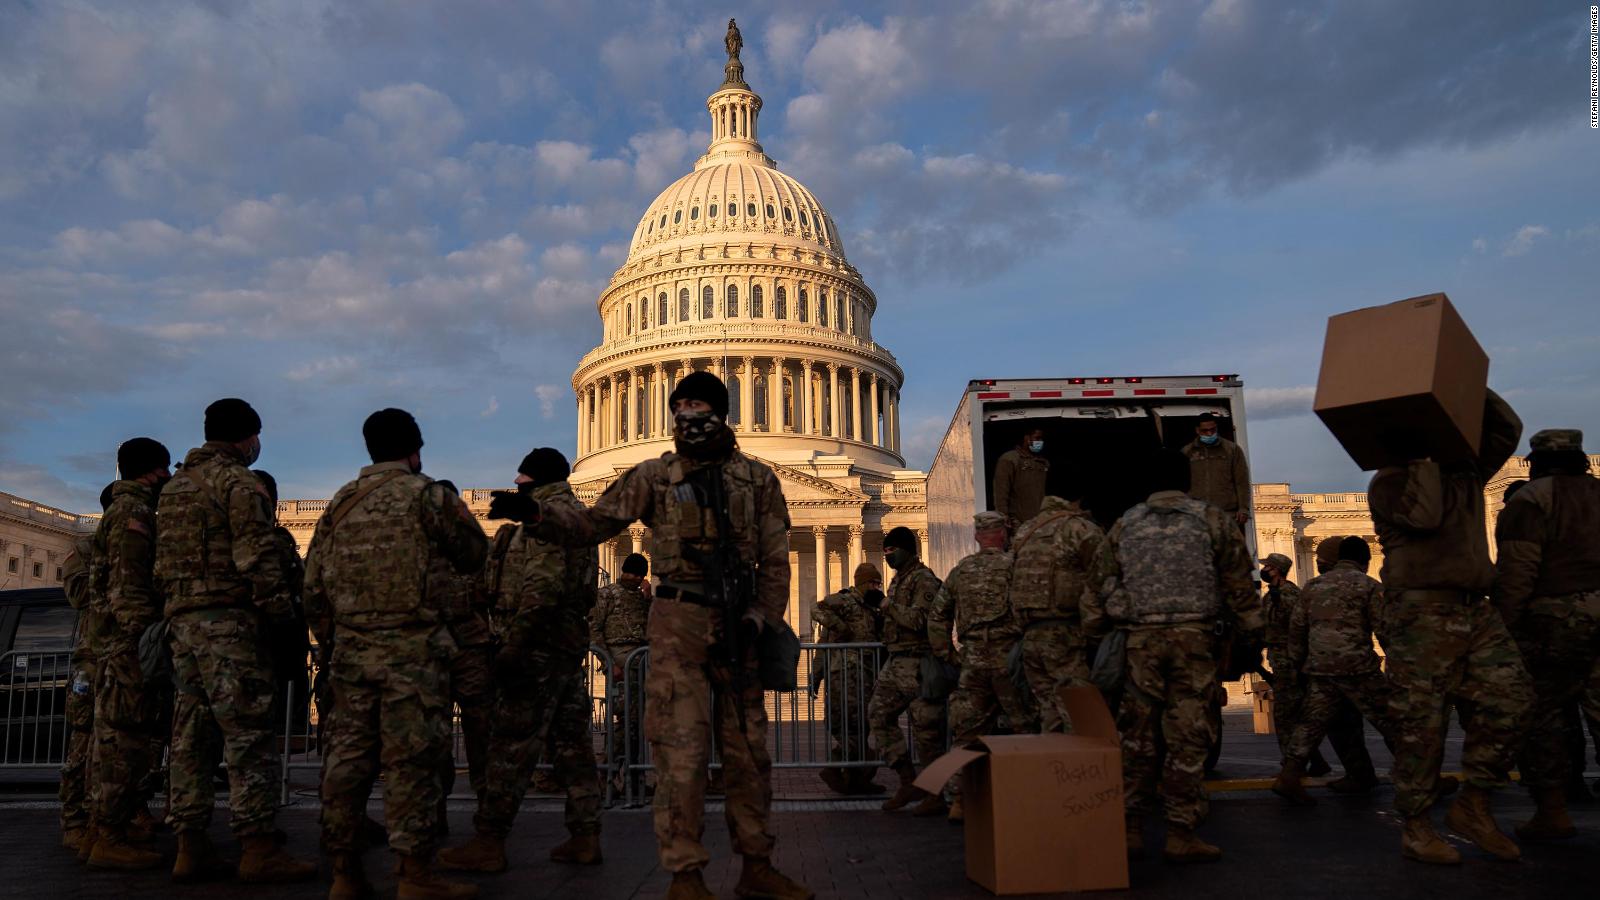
{"x":349,"y":503}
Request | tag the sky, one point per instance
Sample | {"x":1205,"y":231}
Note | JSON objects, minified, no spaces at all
{"x":332,"y":206}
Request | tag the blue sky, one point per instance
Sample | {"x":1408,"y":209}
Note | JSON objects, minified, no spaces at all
{"x":330,"y":206}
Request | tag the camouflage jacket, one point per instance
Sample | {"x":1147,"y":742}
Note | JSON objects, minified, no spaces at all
{"x":1330,"y":632}
{"x":77,"y":579}
{"x":124,"y":595}
{"x":1279,"y":606}
{"x":501,"y":570}
{"x":619,"y":619}
{"x":1549,"y":542}
{"x":1019,"y":484}
{"x":1055,"y":556}
{"x":1219,"y":475}
{"x":463,"y":598}
{"x":846,"y":618}
{"x":217,"y":547}
{"x":557,"y":586}
{"x":663,"y":494}
{"x":368,"y":589}
{"x":1174,"y":560}
{"x":906,"y":608}
{"x":973,"y":603}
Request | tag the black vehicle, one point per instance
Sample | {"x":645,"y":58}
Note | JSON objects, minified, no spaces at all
{"x":37,"y":627}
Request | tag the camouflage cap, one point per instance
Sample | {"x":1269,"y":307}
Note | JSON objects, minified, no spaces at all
{"x":1328,"y":550}
{"x":988,"y":521}
{"x":1557,"y":440}
{"x":1278,"y":561}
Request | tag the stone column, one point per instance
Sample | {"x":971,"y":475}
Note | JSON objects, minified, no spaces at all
{"x":775,"y":397}
{"x":819,"y":533}
{"x":877,"y":430}
{"x":578,"y":435}
{"x":804,"y":425}
{"x":922,"y":540}
{"x":856,"y":557}
{"x":833,"y":400}
{"x":592,"y":395}
{"x":855,"y":403}
{"x":636,"y":532}
{"x":893,"y":399}
{"x":610,"y":402}
{"x":747,"y":395}
{"x":658,"y":402}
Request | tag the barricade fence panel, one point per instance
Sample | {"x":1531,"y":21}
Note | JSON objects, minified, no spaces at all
{"x":33,"y":699}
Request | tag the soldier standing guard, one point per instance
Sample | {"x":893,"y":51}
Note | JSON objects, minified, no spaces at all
{"x":974,"y":602}
{"x":367,"y":589}
{"x":899,"y":686}
{"x":471,"y":685}
{"x":219,"y":567}
{"x":705,"y":504}
{"x":78,"y":788}
{"x":851,"y":616}
{"x":618,"y":623}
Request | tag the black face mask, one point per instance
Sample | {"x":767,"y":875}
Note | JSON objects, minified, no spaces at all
{"x":701,"y":435}
{"x":897,"y":558}
{"x":527,"y":488}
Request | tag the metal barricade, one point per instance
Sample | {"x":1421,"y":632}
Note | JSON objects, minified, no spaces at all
{"x":33,"y":698}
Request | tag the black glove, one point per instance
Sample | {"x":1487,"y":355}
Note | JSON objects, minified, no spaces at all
{"x":873,"y":598}
{"x":513,"y":505}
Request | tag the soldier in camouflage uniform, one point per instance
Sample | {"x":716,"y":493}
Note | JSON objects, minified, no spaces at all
{"x":974,"y":603}
{"x":851,"y":616}
{"x":223,"y":577}
{"x":898,"y":689}
{"x":618,"y":624}
{"x":689,"y":659}
{"x":370,"y":578}
{"x":471,"y":685}
{"x":78,"y":790}
{"x":288,"y":640}
{"x":1445,"y":642}
{"x":1055,"y":554}
{"x":1173,"y":566}
{"x":543,"y":702}
{"x":1330,"y":641}
{"x":1548,"y":590}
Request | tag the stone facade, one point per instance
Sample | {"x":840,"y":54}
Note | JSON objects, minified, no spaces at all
{"x":34,"y":540}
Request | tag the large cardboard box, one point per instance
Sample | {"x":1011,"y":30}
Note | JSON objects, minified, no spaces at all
{"x":1404,"y":379}
{"x":1043,"y":811}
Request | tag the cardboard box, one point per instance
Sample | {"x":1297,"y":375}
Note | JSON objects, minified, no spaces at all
{"x":1043,"y":811}
{"x":1262,"y":717}
{"x":1403,"y":380}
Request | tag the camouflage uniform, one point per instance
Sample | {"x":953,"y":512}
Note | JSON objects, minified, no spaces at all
{"x":502,"y":574}
{"x":1054,"y":558}
{"x":1172,"y":567}
{"x":289,"y":644}
{"x":899,"y":688}
{"x":1548,"y":589}
{"x":1219,"y":475}
{"x":1019,"y":485}
{"x":542,"y":702}
{"x":1330,"y":641}
{"x":621,"y":615}
{"x":220,"y":569}
{"x":471,"y":685}
{"x":1445,"y":642}
{"x":126,"y":603}
{"x":851,"y":675}
{"x":686,"y":663}
{"x":369,"y":573}
{"x":973,"y":599}
{"x":1289,"y":690}
{"x":78,"y":788}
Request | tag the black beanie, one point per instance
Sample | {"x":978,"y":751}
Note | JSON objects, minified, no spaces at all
{"x":391,"y":434}
{"x":141,"y":456}
{"x":702,"y":386}
{"x":545,"y":465}
{"x":636,"y":564}
{"x":901,"y":537}
{"x":231,"y":419}
{"x":1355,"y":549}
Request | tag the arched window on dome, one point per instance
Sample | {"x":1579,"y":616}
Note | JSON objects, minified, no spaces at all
{"x":756,"y":297}
{"x":788,"y":214}
{"x":707,"y":303}
{"x":735,"y":416}
{"x":663,"y":220}
{"x":683,"y":305}
{"x":694,"y":214}
{"x":804,"y":223}
{"x":644,"y":312}
{"x":628,"y":318}
{"x":733,"y":210}
{"x":750,"y":210}
{"x":733,"y":301}
{"x":800,"y":308}
{"x":822,"y":308}
{"x":711,"y":210}
{"x":771,"y":213}
{"x":780,"y":304}
{"x":677,"y":216}
{"x":838,"y":312}
{"x":758,"y":402}
{"x":650,"y":227}
{"x":661,"y":309}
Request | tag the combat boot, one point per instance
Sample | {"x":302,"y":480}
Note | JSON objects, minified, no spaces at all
{"x":148,"y":821}
{"x":349,"y":878}
{"x":930,"y":805}
{"x":484,"y":853}
{"x":266,"y":862}
{"x":1184,"y":846}
{"x":91,"y":836}
{"x":418,"y":881}
{"x":1135,"y":828}
{"x":1420,"y":842}
{"x":1550,"y":821}
{"x":579,"y":850}
{"x":1469,"y":817}
{"x":956,"y":814}
{"x":1445,"y":787}
{"x":860,"y":781}
{"x":907,"y":792}
{"x":1318,"y":766}
{"x":113,"y":851}
{"x":198,"y":860}
{"x":835,"y":779}
{"x":760,"y":879}
{"x":1289,"y":785}
{"x":689,"y":885}
{"x":70,"y":837}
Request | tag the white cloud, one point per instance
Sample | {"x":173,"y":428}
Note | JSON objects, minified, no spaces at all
{"x":1263,"y":404}
{"x":1521,"y":242}
{"x":490,"y":410}
{"x":547,"y":395}
{"x":411,"y":122}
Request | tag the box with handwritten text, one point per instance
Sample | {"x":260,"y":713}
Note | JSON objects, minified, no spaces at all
{"x":1043,"y":811}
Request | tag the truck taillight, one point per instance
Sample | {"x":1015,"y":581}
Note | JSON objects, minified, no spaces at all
{"x":1219,"y":378}
{"x":1105,"y":381}
{"x":1074,"y":381}
{"x":1134,"y":380}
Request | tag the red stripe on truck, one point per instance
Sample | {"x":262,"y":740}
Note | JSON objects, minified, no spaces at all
{"x":1043,"y":394}
{"x":1200,"y":390}
{"x":1149,"y":392}
{"x":1001,"y":395}
{"x":1099,"y":393}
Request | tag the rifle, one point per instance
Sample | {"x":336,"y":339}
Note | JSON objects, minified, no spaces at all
{"x":729,"y":583}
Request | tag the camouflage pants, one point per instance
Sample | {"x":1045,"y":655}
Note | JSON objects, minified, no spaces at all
{"x":545,"y":713}
{"x":123,"y":713}
{"x":1344,"y":731}
{"x":1325,"y":697}
{"x":1560,"y":641}
{"x":395,"y":715}
{"x":627,"y":712}
{"x":678,"y":719}
{"x":223,"y":675}
{"x":1053,"y":657}
{"x":899,"y":690}
{"x":472,"y":691}
{"x":77,"y":797}
{"x":852,"y":676}
{"x":985,"y":691}
{"x":1172,"y":674}
{"x":1450,"y":647}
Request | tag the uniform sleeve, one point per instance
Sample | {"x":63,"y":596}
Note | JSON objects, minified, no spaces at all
{"x":1005,"y":471}
{"x":941,"y":619}
{"x":1233,"y":572}
{"x":1299,"y":626}
{"x":319,"y":607}
{"x":1105,"y":579}
{"x":629,"y":499}
{"x":256,"y":552}
{"x":453,"y":529}
{"x":597,"y":618}
{"x":1241,"y":480}
{"x":1519,"y":536}
{"x":1410,"y":498}
{"x":825,"y":615}
{"x":772,"y":548}
{"x":135,"y":605}
{"x":75,"y":574}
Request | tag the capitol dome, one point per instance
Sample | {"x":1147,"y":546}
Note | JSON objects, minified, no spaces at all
{"x":736,"y":268}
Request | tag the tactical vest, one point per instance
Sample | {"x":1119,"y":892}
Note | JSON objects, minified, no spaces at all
{"x":906,"y":586}
{"x":1044,"y":585}
{"x":681,"y":520}
{"x":1169,"y":575}
{"x":194,"y":557}
{"x":984,"y":580}
{"x":627,"y":614}
{"x":375,"y":560}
